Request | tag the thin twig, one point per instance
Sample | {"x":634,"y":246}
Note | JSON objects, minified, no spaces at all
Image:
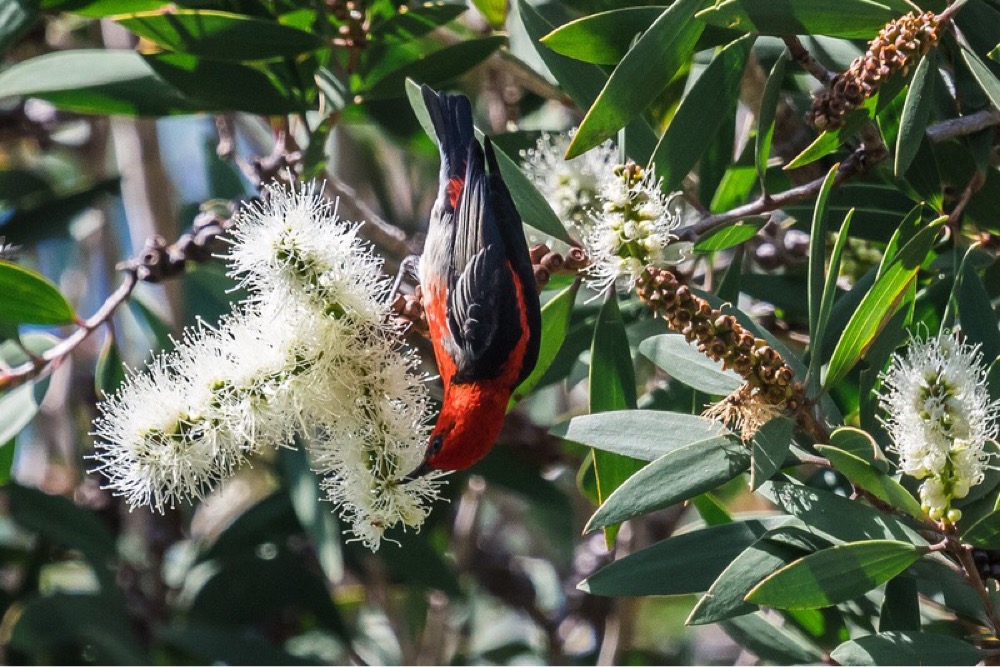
{"x":55,"y":355}
{"x":963,"y":125}
{"x":964,"y":556}
{"x":975,"y":183}
{"x":375,"y":229}
{"x":802,"y":56}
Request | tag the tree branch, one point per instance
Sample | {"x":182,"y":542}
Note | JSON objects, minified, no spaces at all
{"x":963,"y":125}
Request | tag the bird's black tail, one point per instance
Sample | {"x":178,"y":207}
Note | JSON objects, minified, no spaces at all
{"x":452,"y":118}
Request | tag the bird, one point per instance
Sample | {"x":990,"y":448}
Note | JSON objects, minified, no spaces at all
{"x":479,"y":292}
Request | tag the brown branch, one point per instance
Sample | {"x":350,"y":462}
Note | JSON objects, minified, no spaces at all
{"x":963,"y":125}
{"x":805,"y":59}
{"x":964,"y":557}
{"x":375,"y":229}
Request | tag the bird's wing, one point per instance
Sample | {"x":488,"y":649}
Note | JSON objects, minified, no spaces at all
{"x":483,"y":314}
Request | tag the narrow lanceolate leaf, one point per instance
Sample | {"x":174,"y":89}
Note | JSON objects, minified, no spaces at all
{"x":770,"y":447}
{"x":860,"y":444}
{"x":612,"y":387}
{"x":641,"y":75}
{"x":700,"y":114}
{"x":110,"y":371}
{"x":640,"y":434}
{"x":856,"y":19}
{"x":826,"y":303}
{"x":983,"y":75}
{"x":879,"y":304}
{"x":556,"y":314}
{"x":220,"y":35}
{"x":534,"y":209}
{"x":835,"y":575}
{"x":602,"y":38}
{"x":900,"y":606}
{"x":916,"y":113}
{"x":976,"y":314}
{"x":30,"y":298}
{"x":817,"y":265}
{"x":416,"y":21}
{"x":829,"y":141}
{"x":727,"y":237}
{"x":16,"y":17}
{"x":768,"y":108}
{"x":907,"y":648}
{"x":685,"y":363}
{"x":866,"y":476}
{"x":673,"y":478}
{"x":771,"y":641}
{"x":687,"y":563}
{"x":434,"y":68}
{"x":985,"y":533}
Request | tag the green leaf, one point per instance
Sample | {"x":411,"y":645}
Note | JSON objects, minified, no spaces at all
{"x":879,"y":304}
{"x":769,"y":641}
{"x":843,"y":519}
{"x":412,"y":22}
{"x":711,"y":510}
{"x":47,"y":215}
{"x":871,"y":479}
{"x":30,"y":298}
{"x":494,"y":11}
{"x":641,"y":75}
{"x":603,"y":38}
{"x":19,"y":406}
{"x":16,"y":18}
{"x":829,"y":141}
{"x":532,"y":206}
{"x":612,"y":387}
{"x":860,"y":444}
{"x":983,"y":75}
{"x":218,"y":35}
{"x":727,"y":237}
{"x":768,"y":108}
{"x":818,"y":335}
{"x":95,"y":81}
{"x":686,"y":563}
{"x":900,"y":605}
{"x":433,"y":68}
{"x":674,"y":477}
{"x":640,"y":434}
{"x":855,"y":19}
{"x":683,"y":362}
{"x":222,"y":644}
{"x":834,"y":575}
{"x":110,"y":371}
{"x":313,"y":514}
{"x":700,"y":114}
{"x":556,"y":315}
{"x":916,"y":113}
{"x":985,"y":533}
{"x":770,"y":448}
{"x":976,"y":314}
{"x":725,"y":598}
{"x":100,"y":8}
{"x":817,"y":255}
{"x":906,"y":648}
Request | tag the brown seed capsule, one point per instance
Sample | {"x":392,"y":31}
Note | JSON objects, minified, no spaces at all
{"x":537,"y":252}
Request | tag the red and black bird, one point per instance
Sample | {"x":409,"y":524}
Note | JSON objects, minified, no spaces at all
{"x":479,"y":291}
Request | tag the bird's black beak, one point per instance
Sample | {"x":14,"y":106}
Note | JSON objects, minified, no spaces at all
{"x":421,"y":470}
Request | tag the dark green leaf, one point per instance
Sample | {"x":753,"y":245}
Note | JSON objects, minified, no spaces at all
{"x":231,"y":645}
{"x":556,"y":314}
{"x":768,"y":108}
{"x":49,"y":215}
{"x":834,"y":575}
{"x":860,"y":444}
{"x":434,"y":68}
{"x":769,"y":641}
{"x":866,"y":476}
{"x":641,"y":75}
{"x":673,"y":478}
{"x":770,"y":448}
{"x":603,"y":38}
{"x":700,"y":113}
{"x":816,"y":282}
{"x":900,"y":606}
{"x":30,"y":298}
{"x":220,"y":35}
{"x":985,"y":533}
{"x":727,"y":237}
{"x":110,"y":371}
{"x":826,"y":513}
{"x":850,"y":18}
{"x":412,"y":22}
{"x":975,"y":312}
{"x":640,"y":434}
{"x":916,"y":113}
{"x":683,"y":362}
{"x":906,"y":648}
{"x":818,"y":335}
{"x":725,"y":598}
{"x":829,"y":141}
{"x":211,"y":84}
{"x":95,"y":81}
{"x":313,"y":514}
{"x":612,"y":387}
{"x":879,"y":304}
{"x":983,"y":75}
{"x":687,"y":563}
{"x":16,"y":18}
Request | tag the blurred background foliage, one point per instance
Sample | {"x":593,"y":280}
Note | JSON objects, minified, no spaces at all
{"x":124,"y":120}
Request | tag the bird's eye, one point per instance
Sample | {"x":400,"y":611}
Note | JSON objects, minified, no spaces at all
{"x":436,"y":443}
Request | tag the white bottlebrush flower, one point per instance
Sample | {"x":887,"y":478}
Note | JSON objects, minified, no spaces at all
{"x":940,"y":417}
{"x":312,"y":353}
{"x":571,"y":187}
{"x":633,"y":229}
